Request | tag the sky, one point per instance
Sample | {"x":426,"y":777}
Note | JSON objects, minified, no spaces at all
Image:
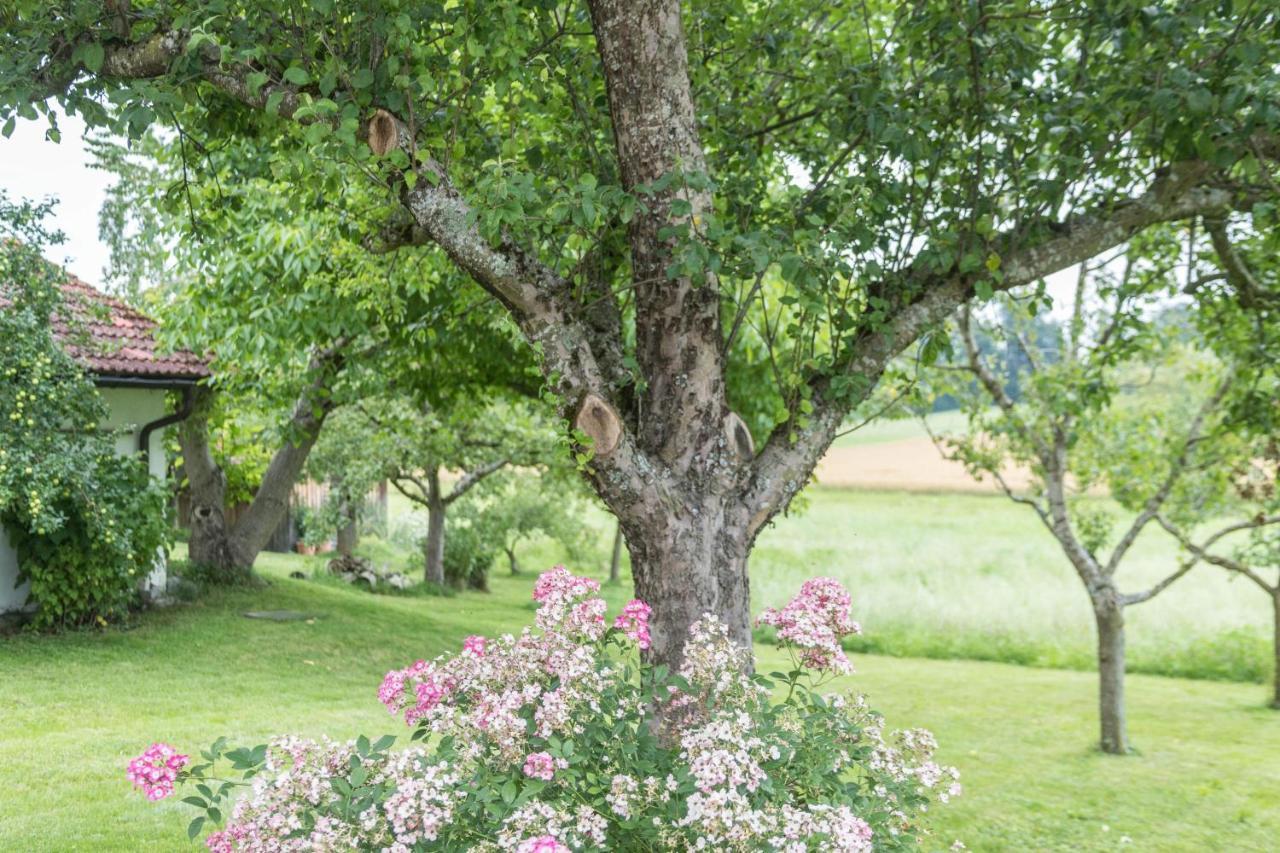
{"x":35,"y":168}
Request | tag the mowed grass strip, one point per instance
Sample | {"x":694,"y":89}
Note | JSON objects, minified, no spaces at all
{"x":76,"y":707}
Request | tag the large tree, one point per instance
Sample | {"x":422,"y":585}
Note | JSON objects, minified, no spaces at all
{"x":674,"y":203}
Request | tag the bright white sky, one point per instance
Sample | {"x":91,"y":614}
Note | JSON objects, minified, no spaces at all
{"x":35,"y":168}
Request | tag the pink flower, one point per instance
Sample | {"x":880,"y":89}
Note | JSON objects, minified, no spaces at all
{"x":391,"y":693}
{"x":542,"y":844}
{"x":474,"y":646}
{"x":542,"y":765}
{"x":155,"y":771}
{"x":634,"y":622}
{"x":218,"y":842}
{"x":815,"y":621}
{"x":558,"y":584}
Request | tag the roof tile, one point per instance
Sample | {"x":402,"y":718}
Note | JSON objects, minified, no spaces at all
{"x":116,"y":340}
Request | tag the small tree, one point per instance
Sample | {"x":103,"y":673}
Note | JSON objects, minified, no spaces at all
{"x":347,"y":457}
{"x":520,"y":506}
{"x":475,"y":440}
{"x":1074,"y":428}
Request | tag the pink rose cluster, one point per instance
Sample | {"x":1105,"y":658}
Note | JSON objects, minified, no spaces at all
{"x":495,"y":683}
{"x":542,"y":765}
{"x":509,"y":706}
{"x":634,"y":622}
{"x":542,"y":844}
{"x":155,"y":771}
{"x":815,"y":622}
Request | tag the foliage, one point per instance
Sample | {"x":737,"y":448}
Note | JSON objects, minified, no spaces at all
{"x":518,"y":506}
{"x":350,"y":457}
{"x":548,"y":742}
{"x":470,"y":547}
{"x":828,"y":189}
{"x":87,"y":525}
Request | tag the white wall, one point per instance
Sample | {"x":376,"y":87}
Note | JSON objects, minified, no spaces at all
{"x":128,"y":410}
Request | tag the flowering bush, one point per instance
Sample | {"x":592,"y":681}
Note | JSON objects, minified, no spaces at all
{"x":561,"y":739}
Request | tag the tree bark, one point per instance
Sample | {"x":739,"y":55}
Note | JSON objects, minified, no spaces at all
{"x":1275,"y":677}
{"x":615,"y":562}
{"x":229,"y":552}
{"x":1109,"y":615}
{"x":349,"y":530}
{"x":210,"y":543}
{"x":511,"y":559}
{"x":433,"y":545}
{"x":692,"y":563}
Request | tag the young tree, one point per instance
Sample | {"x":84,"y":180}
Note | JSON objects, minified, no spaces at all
{"x":349,"y":457}
{"x":1074,"y":428}
{"x":667,"y":199}
{"x":1236,"y":285}
{"x":548,"y":502}
{"x":421,"y":444}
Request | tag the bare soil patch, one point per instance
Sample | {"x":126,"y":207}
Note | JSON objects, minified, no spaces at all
{"x":912,"y":464}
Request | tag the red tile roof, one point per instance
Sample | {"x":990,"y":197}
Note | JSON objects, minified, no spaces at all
{"x":114,"y":340}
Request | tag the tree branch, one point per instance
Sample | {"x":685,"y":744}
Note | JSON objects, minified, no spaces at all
{"x":1201,"y":552}
{"x":1152,"y":592}
{"x":1153,"y":504}
{"x":471,"y":478}
{"x":1028,"y":253}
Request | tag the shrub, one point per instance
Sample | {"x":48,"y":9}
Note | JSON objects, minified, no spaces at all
{"x":564,"y":739}
{"x":87,"y":525}
{"x":470,"y":548}
{"x":87,"y":567}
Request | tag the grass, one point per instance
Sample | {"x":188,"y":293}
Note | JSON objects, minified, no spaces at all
{"x":76,"y":707}
{"x":898,"y":428}
{"x":976,"y":577}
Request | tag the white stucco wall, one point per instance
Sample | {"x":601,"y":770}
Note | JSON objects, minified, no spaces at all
{"x":128,"y":410}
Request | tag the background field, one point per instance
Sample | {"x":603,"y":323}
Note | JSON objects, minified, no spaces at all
{"x":974,"y":576}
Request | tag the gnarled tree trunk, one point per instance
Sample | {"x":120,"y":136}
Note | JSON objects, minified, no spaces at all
{"x":1109,"y":615}
{"x":229,"y":551}
{"x":692,"y":563}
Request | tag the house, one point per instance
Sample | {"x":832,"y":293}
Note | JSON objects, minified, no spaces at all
{"x":117,"y":348}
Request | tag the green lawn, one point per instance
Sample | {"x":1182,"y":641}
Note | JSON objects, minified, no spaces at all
{"x":76,"y":707}
{"x":977,"y":577}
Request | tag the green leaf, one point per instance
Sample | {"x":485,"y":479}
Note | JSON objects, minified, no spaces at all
{"x":509,"y":791}
{"x":93,"y":56}
{"x":193,"y":829}
{"x":297,"y":75}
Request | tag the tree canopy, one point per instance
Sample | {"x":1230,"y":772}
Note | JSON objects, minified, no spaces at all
{"x":705,"y":219}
